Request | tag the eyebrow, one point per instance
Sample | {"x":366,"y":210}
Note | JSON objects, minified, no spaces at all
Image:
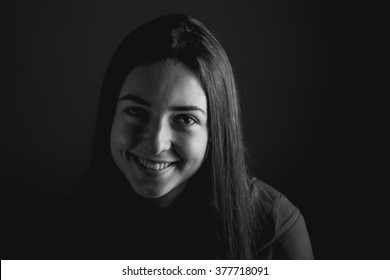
{"x":142,"y":101}
{"x":135,"y":99}
{"x":188,"y":108}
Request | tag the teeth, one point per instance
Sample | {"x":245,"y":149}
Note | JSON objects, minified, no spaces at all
{"x":154,"y":166}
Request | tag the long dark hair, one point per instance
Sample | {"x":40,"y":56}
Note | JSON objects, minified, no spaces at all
{"x":183,"y":39}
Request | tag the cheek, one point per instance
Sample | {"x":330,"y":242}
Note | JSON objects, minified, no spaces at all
{"x":124,"y":135}
{"x":193,"y":147}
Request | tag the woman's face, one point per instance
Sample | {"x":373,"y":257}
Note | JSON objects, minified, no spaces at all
{"x":159,"y":134}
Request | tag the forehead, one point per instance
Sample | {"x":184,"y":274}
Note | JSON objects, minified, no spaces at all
{"x":165,"y":83}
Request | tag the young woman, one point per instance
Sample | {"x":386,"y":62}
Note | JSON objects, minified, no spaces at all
{"x":169,"y":178}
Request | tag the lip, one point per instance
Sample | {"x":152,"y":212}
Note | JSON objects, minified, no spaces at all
{"x":154,"y":160}
{"x":136,"y":160}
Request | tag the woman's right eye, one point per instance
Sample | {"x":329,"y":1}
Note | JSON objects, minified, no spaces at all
{"x":137,"y":112}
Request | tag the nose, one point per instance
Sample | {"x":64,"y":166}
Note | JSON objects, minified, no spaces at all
{"x":157,"y":137}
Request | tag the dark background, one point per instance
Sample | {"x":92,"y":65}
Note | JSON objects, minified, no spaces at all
{"x":302,"y":73}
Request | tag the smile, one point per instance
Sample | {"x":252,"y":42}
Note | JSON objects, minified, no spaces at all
{"x":156,"y":166}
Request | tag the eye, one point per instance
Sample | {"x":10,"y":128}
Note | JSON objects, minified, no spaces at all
{"x":185,"y":120}
{"x":137,"y":112}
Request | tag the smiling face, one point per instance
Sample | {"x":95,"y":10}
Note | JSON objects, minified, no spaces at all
{"x":159,"y":134}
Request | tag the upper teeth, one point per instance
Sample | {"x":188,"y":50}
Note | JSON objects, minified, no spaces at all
{"x":154,"y":166}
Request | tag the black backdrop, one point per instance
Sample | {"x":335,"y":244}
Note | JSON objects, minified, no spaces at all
{"x":305,"y":122}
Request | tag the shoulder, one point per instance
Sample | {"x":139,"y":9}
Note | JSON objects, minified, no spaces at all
{"x":281,"y":224}
{"x":273,"y":209}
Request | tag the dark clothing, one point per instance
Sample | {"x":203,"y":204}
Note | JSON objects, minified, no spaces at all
{"x":126,"y":226}
{"x":285,"y":235}
{"x":134,"y":229}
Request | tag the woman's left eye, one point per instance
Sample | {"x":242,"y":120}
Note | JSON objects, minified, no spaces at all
{"x":185,"y":120}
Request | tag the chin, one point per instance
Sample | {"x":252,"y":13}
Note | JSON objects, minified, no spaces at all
{"x":151,"y":193}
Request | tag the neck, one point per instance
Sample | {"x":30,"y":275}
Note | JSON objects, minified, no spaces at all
{"x":168,"y":199}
